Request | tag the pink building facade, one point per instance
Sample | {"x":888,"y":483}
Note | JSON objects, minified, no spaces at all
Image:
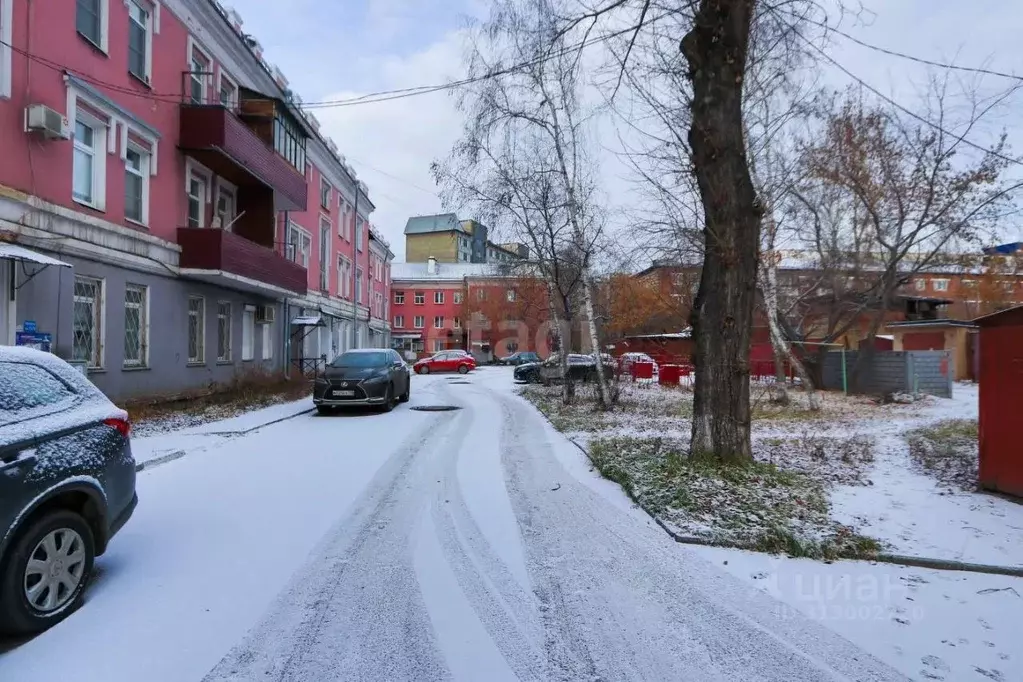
{"x":169,"y":217}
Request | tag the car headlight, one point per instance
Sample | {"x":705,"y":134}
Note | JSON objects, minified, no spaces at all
{"x":375,"y":379}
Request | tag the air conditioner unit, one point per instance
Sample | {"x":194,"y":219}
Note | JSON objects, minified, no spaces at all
{"x":51,"y":123}
{"x":265,"y":314}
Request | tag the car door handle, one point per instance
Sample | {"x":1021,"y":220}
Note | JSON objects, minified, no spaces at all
{"x":21,"y":459}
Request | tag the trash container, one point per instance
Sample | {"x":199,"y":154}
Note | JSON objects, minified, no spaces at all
{"x":669,"y":375}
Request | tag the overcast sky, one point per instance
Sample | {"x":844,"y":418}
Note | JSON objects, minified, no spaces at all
{"x":332,"y":51}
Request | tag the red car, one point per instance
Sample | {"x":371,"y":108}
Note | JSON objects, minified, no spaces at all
{"x":446,"y":361}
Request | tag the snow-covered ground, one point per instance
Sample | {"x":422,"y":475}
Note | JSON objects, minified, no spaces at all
{"x":467,"y":545}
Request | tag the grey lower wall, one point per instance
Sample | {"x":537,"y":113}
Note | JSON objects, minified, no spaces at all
{"x":883,"y":372}
{"x":47,"y":298}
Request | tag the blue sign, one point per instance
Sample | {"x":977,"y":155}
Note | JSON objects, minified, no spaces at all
{"x":39,"y":341}
{"x":29,"y":326}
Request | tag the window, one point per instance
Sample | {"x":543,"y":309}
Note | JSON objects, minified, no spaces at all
{"x":228,"y":91}
{"x":91,"y":20}
{"x":438,"y":345}
{"x":6,"y":38}
{"x":89,"y":163}
{"x":438,"y":297}
{"x":420,"y":298}
{"x":512,"y":346}
{"x":920,"y":284}
{"x":510,"y":295}
{"x":970,"y":283}
{"x":266,"y":329}
{"x":198,"y":187}
{"x":223,"y":331}
{"x":325,"y":230}
{"x":136,"y":326}
{"x":136,"y":186}
{"x":289,"y":141}
{"x":399,"y":297}
{"x":419,"y":322}
{"x":301,"y":244}
{"x":324,"y":194}
{"x":344,"y":229}
{"x":87,"y":338}
{"x":225,"y":204}
{"x":25,"y":387}
{"x":399,"y":321}
{"x":249,"y":332}
{"x":199,"y":77}
{"x":140,"y":54}
{"x":196,"y":330}
{"x":358,"y":232}
{"x":344,"y":275}
{"x":358,"y":285}
{"x":481,"y":294}
{"x":456,"y":323}
{"x":940,"y":284}
{"x":438,"y":322}
{"x":458,"y":297}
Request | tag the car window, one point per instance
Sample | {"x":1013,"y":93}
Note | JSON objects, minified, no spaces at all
{"x":26,"y":388}
{"x":441,"y":356}
{"x":360,"y":359}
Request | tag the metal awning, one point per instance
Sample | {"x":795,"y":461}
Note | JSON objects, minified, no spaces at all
{"x":308,"y":321}
{"x":10,"y":251}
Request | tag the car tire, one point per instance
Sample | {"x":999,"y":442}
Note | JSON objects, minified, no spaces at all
{"x":424,"y":370}
{"x":388,"y":399}
{"x":324,"y":410}
{"x":18,"y":614}
{"x":404,"y":397}
{"x":463,"y":369}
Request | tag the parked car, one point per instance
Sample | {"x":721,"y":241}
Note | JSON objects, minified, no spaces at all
{"x":67,"y":485}
{"x":581,"y":368}
{"x":627,"y":360}
{"x":446,"y":361}
{"x":529,"y":372}
{"x":367,"y":376}
{"x":522,"y":357}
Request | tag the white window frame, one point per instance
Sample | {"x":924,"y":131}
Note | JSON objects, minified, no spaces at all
{"x":98,"y":318}
{"x":143,"y":308}
{"x":940,"y":284}
{"x":6,"y":40}
{"x":344,"y":276}
{"x":458,"y":297}
{"x":150,"y":10}
{"x":307,"y":254}
{"x":222,"y":77}
{"x":438,"y":298}
{"x":226,"y":189}
{"x":266,"y":330}
{"x":326,"y":232}
{"x":229,"y":356}
{"x":360,"y":284}
{"x":325,"y":202}
{"x":399,"y":321}
{"x":510,"y":295}
{"x":920,"y":284}
{"x":248,"y":333}
{"x":399,"y":298}
{"x":200,"y":342}
{"x":195,"y":169}
{"x":438,"y":345}
{"x":104,"y":27}
{"x":344,"y":230}
{"x":359,"y":224}
{"x":98,"y":158}
{"x":438,"y":322}
{"x":419,"y":322}
{"x":456,"y":323}
{"x":416,"y":296}
{"x":144,"y":174}
{"x":193,"y":46}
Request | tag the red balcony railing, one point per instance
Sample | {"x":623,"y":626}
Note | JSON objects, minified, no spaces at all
{"x":217,"y":250}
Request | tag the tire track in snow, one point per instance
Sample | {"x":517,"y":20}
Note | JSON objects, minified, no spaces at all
{"x":355,"y":612}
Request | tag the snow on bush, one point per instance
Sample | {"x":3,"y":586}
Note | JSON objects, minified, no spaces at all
{"x":947,"y":451}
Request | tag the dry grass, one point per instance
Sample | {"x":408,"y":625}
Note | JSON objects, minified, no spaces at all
{"x":248,"y":391}
{"x":948,"y":452}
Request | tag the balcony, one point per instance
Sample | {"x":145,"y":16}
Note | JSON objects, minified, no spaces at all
{"x":216,"y":137}
{"x":229,"y":260}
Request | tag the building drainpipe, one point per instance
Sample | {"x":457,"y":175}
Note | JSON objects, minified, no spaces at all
{"x":285,"y":322}
{"x":355,"y":266}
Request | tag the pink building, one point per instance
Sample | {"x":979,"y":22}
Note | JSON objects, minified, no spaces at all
{"x":169,"y":217}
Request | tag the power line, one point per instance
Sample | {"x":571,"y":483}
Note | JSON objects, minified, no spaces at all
{"x":905,"y":110}
{"x":393,"y":177}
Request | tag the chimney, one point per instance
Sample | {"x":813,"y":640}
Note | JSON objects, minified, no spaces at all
{"x":431,"y":266}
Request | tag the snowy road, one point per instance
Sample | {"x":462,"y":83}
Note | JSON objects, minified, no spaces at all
{"x":468,"y":545}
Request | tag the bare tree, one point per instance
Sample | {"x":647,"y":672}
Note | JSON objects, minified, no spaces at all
{"x":535,"y":115}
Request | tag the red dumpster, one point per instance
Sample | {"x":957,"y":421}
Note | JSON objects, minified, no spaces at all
{"x":669,"y":375}
{"x":642,"y":370}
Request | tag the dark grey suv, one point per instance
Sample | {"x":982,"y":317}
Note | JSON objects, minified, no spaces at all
{"x":67,"y":484}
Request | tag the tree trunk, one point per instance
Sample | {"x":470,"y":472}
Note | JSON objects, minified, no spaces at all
{"x":782,"y":349}
{"x":722,"y":317}
{"x":591,"y":328}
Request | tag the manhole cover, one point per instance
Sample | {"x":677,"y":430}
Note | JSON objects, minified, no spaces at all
{"x":435,"y":408}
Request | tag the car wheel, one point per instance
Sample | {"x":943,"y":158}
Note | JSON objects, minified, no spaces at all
{"x":388,"y":399}
{"x":324,"y":410}
{"x":404,"y":397}
{"x":424,"y":370}
{"x":463,"y":369}
{"x":46,"y":572}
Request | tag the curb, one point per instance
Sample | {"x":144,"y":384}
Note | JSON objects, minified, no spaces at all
{"x":883,"y":558}
{"x":178,"y":454}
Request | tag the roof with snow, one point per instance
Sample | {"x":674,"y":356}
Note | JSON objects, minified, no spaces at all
{"x":441,"y":222}
{"x":454,"y":271}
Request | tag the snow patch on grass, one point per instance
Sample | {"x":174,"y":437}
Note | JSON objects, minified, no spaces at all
{"x":947,"y":451}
